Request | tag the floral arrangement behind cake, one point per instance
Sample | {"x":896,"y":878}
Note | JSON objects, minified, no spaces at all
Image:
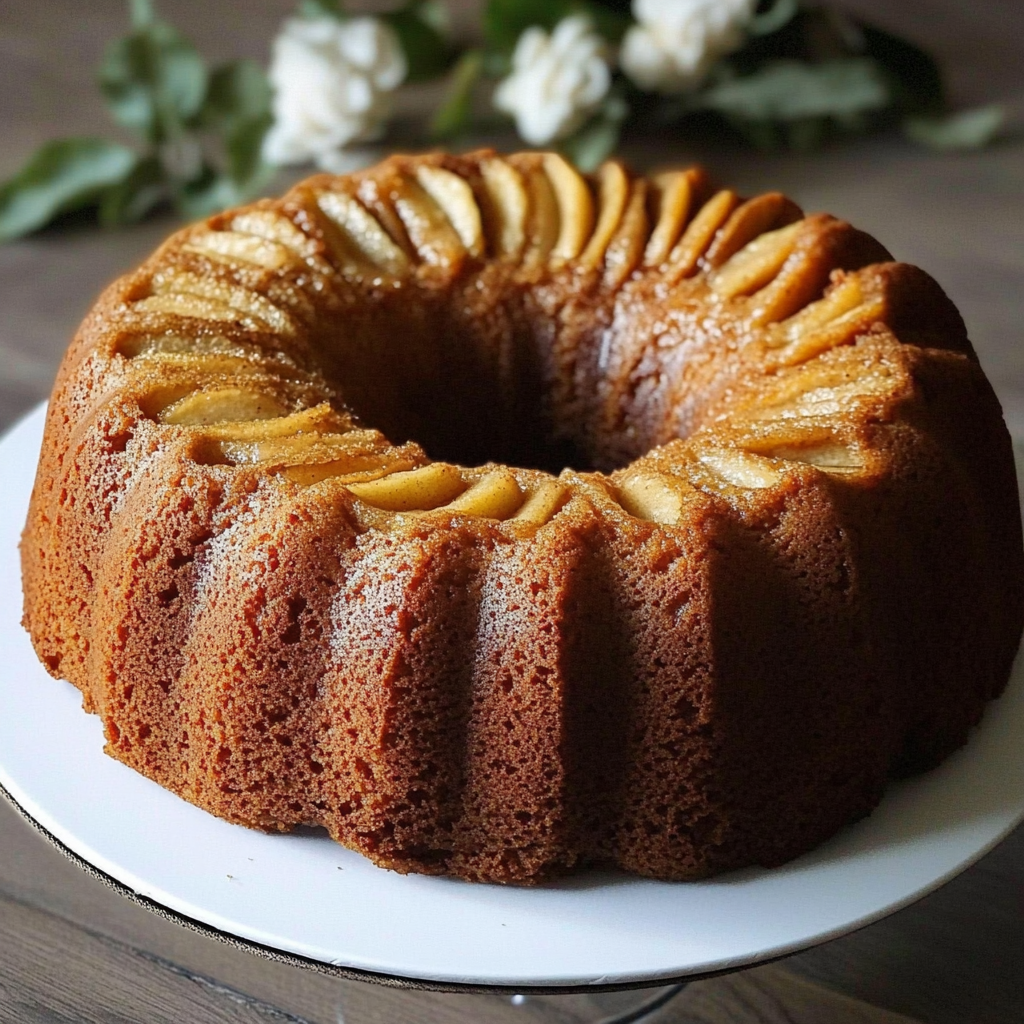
{"x":569,"y":74}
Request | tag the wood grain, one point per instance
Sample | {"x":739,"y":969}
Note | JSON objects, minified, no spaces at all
{"x":772,"y":995}
{"x":85,"y":966}
{"x":55,"y":971}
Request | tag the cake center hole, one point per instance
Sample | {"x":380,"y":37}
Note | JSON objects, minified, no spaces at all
{"x":465,"y":398}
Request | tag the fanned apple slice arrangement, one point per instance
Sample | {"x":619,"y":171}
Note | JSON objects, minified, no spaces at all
{"x":226,"y":325}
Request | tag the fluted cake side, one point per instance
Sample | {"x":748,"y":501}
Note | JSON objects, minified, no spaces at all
{"x":280,"y":542}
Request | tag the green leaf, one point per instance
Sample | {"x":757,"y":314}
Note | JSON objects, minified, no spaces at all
{"x":435,"y":14}
{"x":239,"y":92}
{"x":789,"y":90}
{"x":238,"y":108}
{"x":506,"y":20}
{"x":154,"y":81}
{"x":322,"y":9}
{"x":767,"y":135}
{"x":806,"y":134}
{"x":209,"y":193}
{"x":609,"y":23}
{"x":597,"y":139}
{"x":243,"y":145}
{"x":497,"y":65}
{"x":64,"y":175}
{"x":780,"y":14}
{"x":592,"y":143}
{"x":142,"y":12}
{"x":915,"y":76}
{"x":213,"y":191}
{"x":966,"y":129}
{"x":427,"y":52}
{"x":134,"y":197}
{"x":453,"y":115}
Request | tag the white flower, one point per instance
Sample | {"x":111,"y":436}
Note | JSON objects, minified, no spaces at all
{"x":557,"y":81}
{"x":675,"y":42}
{"x":332,"y":85}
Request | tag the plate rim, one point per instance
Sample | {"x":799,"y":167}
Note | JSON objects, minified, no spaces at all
{"x":399,"y":981}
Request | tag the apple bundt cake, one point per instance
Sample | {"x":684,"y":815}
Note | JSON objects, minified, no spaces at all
{"x":303,"y":535}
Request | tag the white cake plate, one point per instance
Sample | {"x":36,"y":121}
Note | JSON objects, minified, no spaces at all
{"x":302,"y":898}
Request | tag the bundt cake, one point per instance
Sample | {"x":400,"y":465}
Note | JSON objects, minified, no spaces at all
{"x":303,"y":537}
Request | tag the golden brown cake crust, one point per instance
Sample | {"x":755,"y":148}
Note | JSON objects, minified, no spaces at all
{"x":787,"y":564}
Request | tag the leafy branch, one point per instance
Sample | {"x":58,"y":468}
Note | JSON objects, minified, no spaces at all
{"x":809,"y":73}
{"x":796,"y":75}
{"x":199,"y":133}
{"x":804,"y":74}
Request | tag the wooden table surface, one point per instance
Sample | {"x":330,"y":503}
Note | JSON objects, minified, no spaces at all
{"x":73,"y":950}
